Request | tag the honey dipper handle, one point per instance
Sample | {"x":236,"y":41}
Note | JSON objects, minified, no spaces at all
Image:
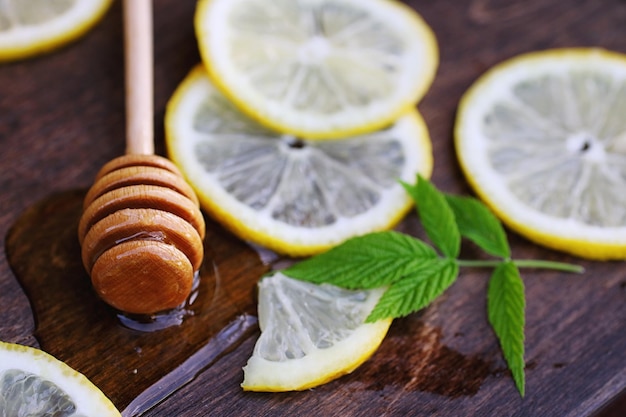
{"x":139,"y":76}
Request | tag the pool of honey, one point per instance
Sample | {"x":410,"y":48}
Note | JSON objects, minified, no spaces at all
{"x":126,"y":356}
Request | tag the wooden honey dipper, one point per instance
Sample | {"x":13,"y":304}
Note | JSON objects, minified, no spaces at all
{"x":141,"y":230}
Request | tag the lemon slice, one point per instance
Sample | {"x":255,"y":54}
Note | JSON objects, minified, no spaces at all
{"x":310,"y":334}
{"x":33,"y":383}
{"x":276,"y":190}
{"x":31,"y":27}
{"x":318,"y":68}
{"x":542,"y":139}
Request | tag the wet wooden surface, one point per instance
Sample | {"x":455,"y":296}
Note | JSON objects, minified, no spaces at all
{"x":62,"y":118}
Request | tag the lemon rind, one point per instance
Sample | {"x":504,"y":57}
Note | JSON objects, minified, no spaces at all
{"x":266,"y":376}
{"x":87,"y":397}
{"x":36,"y":40}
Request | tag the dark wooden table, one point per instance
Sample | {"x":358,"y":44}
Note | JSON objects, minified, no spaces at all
{"x":62,"y":118}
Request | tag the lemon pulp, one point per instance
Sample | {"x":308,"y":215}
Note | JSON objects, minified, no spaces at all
{"x":542,"y":139}
{"x":310,"y":334}
{"x":291,"y":195}
{"x":318,"y":68}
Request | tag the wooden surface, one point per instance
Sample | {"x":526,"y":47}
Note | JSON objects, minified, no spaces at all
{"x":62,"y":118}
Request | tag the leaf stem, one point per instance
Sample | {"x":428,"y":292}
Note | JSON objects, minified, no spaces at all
{"x":523,"y":263}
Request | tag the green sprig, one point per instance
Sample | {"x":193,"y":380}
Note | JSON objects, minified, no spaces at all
{"x":416,"y":273}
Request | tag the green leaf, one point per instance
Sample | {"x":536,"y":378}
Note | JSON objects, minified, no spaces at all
{"x":416,"y":290}
{"x":477,"y":223}
{"x":368,"y":261}
{"x":505,"y":308}
{"x":436,"y":216}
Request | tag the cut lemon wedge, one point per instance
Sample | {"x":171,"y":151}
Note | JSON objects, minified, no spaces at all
{"x":32,"y":27}
{"x":293,"y":196}
{"x":33,"y":383}
{"x":542,"y":139}
{"x":318,"y":68}
{"x":310,"y":334}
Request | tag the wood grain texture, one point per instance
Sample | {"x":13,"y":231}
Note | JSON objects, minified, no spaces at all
{"x":62,"y":118}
